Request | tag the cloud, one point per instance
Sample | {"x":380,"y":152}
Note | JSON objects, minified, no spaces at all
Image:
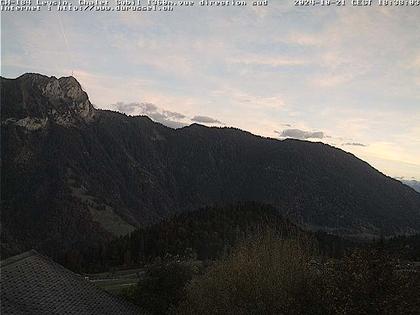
{"x":266,"y":60}
{"x":172,"y":123}
{"x":356,"y":144}
{"x":165,"y":117}
{"x":206,"y":120}
{"x":174,"y":115}
{"x":168,"y":118}
{"x":333,"y":80}
{"x":253,"y":70}
{"x":132,"y":108}
{"x":127,"y":108}
{"x":301,"y":134}
{"x":411,"y":178}
{"x":304,"y":39}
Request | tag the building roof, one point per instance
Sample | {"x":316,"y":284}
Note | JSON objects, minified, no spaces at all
{"x":34,"y":284}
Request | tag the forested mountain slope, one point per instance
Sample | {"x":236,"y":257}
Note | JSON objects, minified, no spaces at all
{"x":73,"y":173}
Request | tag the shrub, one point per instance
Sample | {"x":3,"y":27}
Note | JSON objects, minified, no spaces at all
{"x":267,"y":275}
{"x":270,"y":275}
{"x":163,"y":287}
{"x":367,"y":282}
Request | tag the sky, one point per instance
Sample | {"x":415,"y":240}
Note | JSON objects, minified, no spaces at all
{"x":346,"y":76}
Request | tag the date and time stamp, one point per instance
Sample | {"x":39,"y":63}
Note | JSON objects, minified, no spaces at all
{"x":358,"y":3}
{"x":171,"y":5}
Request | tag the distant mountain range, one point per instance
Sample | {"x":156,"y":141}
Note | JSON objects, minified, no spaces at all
{"x":73,"y":174}
{"x":412,"y":183}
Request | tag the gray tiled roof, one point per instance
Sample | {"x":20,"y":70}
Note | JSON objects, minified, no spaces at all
{"x":33,"y":284}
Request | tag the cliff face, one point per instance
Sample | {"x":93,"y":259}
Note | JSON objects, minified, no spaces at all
{"x":38,"y":100}
{"x":73,"y":175}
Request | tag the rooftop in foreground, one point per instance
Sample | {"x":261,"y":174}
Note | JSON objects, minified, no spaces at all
{"x":34,"y":284}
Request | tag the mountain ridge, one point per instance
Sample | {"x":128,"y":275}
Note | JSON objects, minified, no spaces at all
{"x":90,"y":174}
{"x":415,"y":184}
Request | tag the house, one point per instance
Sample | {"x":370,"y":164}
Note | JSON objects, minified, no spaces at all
{"x":34,"y":284}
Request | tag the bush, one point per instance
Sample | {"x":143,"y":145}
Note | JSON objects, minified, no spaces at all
{"x":266,"y":275}
{"x":367,"y":282}
{"x":163,"y":287}
{"x":270,"y":275}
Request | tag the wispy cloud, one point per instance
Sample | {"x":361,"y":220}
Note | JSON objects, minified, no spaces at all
{"x":301,"y":134}
{"x":267,"y":60}
{"x":206,"y":120}
{"x":131,"y":108}
{"x":167,"y":118}
{"x":356,"y":144}
{"x":304,"y":39}
{"x":353,"y":74}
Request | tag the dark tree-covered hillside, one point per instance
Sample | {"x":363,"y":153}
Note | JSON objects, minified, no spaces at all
{"x":73,"y":175}
{"x":205,"y":234}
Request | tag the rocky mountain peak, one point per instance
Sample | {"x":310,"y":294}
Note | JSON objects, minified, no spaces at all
{"x":39,"y":99}
{"x":66,"y":187}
